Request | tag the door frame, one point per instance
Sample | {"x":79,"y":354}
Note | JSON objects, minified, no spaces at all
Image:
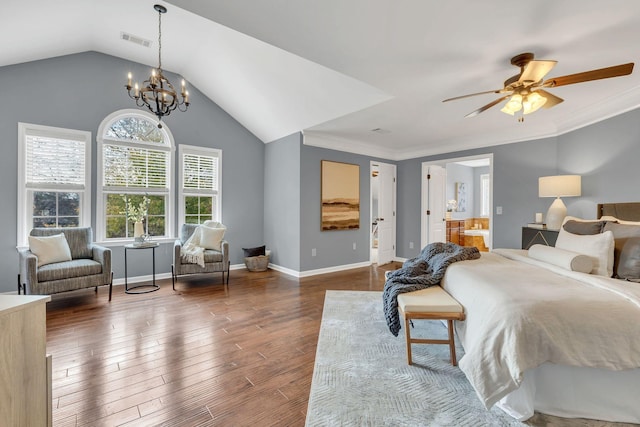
{"x":394,"y":201}
{"x":443,"y":163}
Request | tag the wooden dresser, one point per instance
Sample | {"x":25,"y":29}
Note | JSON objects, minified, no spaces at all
{"x":455,"y":231}
{"x":25,"y":370}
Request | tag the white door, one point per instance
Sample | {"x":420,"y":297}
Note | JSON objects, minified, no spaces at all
{"x":434,"y":180}
{"x":386,"y":213}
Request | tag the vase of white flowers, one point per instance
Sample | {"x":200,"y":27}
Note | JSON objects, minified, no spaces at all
{"x":137,"y":214}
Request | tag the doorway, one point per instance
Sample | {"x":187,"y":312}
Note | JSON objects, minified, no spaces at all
{"x":383,"y":213}
{"x":463,"y":202}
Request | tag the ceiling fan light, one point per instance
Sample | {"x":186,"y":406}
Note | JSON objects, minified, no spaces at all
{"x":533,"y":102}
{"x":513,"y":105}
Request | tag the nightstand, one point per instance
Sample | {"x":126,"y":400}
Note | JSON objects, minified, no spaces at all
{"x":535,"y":236}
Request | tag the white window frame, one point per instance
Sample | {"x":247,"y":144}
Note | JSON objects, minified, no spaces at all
{"x":485,"y":195}
{"x":182,"y":192}
{"x":25,"y":195}
{"x":101,"y":194}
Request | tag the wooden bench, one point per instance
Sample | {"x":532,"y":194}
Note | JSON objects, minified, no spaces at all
{"x":432,"y":303}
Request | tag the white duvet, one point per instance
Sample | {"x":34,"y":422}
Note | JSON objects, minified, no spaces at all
{"x":521,"y":313}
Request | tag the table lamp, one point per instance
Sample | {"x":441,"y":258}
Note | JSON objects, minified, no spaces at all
{"x":558,"y":186}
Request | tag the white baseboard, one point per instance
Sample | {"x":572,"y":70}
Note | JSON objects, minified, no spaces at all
{"x":309,"y":273}
{"x":400,"y":259}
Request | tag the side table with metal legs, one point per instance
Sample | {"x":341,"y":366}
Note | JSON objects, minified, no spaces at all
{"x":145,"y":288}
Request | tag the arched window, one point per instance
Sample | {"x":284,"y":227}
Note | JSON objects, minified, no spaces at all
{"x":135,"y":179}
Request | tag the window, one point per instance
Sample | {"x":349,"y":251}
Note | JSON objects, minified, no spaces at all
{"x":54,"y":178}
{"x":485,"y":195}
{"x":134,"y":169}
{"x":199,"y":184}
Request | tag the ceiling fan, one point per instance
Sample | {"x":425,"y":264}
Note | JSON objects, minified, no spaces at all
{"x":525,"y":91}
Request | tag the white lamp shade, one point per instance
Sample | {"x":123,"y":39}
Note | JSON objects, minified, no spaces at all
{"x":559,"y":186}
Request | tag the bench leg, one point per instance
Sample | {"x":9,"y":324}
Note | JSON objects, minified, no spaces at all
{"x":407,"y":333}
{"x":452,"y":343}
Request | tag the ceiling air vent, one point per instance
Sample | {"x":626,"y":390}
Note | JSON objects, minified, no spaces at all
{"x":380,"y":131}
{"x":135,"y":39}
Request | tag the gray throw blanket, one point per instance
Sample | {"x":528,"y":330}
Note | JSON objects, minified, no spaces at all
{"x":427,"y":269}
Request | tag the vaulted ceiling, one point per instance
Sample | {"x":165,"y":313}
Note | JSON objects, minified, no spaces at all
{"x":366,"y":76}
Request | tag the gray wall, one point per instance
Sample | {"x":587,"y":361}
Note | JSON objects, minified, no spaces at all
{"x":282,"y":201}
{"x":78,"y":92}
{"x":606,"y":154}
{"x":333,"y":248}
{"x":516,"y":168}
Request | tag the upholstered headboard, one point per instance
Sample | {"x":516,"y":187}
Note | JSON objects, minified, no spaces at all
{"x":624,"y":211}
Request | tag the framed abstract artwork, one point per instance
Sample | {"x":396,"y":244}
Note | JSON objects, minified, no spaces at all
{"x":461,"y":196}
{"x":340,"y":196}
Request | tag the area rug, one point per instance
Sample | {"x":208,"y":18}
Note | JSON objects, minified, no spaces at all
{"x":361,"y":376}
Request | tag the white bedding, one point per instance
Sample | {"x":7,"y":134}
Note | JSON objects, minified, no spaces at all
{"x":522,"y":313}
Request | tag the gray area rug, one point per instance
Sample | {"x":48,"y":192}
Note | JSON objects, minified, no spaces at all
{"x":361,"y":376}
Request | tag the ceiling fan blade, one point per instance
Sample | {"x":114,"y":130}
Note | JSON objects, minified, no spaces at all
{"x":474,"y":94}
{"x":552,"y":100}
{"x":535,"y":70}
{"x":602,"y":73}
{"x":486,"y":107}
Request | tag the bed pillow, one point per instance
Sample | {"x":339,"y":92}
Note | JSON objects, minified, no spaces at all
{"x":568,"y":260}
{"x":257,"y":251}
{"x":50,"y":249}
{"x":211,"y":238}
{"x":629,"y":261}
{"x":584,"y":227}
{"x":621,"y":233}
{"x":598,"y":246}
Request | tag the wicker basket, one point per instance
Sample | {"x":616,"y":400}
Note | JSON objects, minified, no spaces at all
{"x":257,"y":263}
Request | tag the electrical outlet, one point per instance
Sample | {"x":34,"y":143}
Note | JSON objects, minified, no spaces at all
{"x":354,"y":246}
{"x":410,"y":245}
{"x":313,"y":252}
{"x":498,"y":210}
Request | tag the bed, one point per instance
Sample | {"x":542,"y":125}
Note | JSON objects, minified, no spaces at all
{"x":541,"y":337}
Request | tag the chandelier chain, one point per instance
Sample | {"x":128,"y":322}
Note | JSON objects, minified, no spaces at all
{"x":159,"y":40}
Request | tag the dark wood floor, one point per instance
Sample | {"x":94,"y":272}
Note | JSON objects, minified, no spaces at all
{"x":200,"y":356}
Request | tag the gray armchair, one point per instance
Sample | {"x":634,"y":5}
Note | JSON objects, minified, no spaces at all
{"x":214,"y":261}
{"x":89,"y":267}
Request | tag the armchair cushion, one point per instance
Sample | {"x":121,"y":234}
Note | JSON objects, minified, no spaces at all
{"x":50,"y":249}
{"x":211,"y":255}
{"x":68,"y":270}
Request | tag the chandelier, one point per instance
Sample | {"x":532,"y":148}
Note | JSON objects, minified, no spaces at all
{"x":157,"y":93}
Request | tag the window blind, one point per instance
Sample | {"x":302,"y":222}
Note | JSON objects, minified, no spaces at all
{"x":134,"y":167}
{"x":54,"y":163}
{"x":199,"y":172}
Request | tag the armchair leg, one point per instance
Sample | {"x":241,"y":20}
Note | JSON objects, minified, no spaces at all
{"x":19,"y":284}
{"x":173,"y":277}
{"x":111,"y":286}
{"x":228,"y":270}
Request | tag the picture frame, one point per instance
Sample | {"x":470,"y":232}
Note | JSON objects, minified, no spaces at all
{"x":461,"y":196}
{"x":340,"y":196}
